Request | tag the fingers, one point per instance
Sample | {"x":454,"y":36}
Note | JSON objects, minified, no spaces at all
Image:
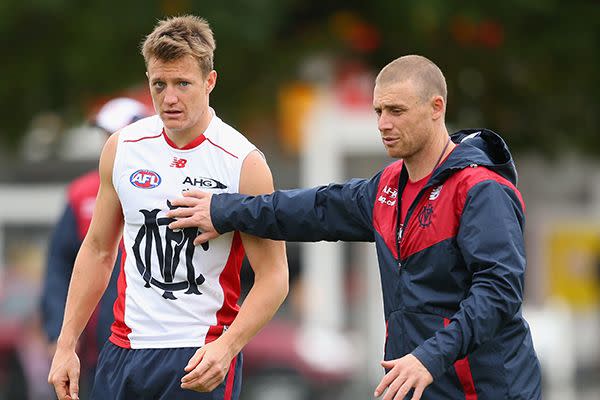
{"x":405,"y":373}
{"x":181,"y":223}
{"x":61,"y":391}
{"x":404,"y":388}
{"x":74,"y":385}
{"x":204,"y":381}
{"x":199,"y":194}
{"x":195,"y":360}
{"x":183,"y":202}
{"x":418,"y":392}
{"x":182,"y":212}
{"x":198,"y":370}
{"x":61,"y":386}
{"x":385,"y":382}
{"x":205,"y":237}
{"x":393,"y":388}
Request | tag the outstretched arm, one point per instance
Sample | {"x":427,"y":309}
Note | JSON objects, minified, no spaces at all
{"x":208,"y":367}
{"x":334,"y":212}
{"x":95,"y":259}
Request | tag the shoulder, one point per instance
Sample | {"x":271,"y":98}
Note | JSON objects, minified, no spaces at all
{"x":478,"y":176}
{"x":255,"y":177}
{"x":223,"y":136}
{"x":146,"y":128}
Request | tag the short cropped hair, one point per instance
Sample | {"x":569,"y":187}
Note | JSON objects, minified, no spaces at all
{"x":419,"y":69}
{"x":177,"y":37}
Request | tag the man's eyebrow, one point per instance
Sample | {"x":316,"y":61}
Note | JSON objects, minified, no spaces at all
{"x":389,"y":106}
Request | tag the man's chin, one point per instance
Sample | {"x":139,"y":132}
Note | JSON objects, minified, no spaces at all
{"x":394,"y":153}
{"x":172,"y":126}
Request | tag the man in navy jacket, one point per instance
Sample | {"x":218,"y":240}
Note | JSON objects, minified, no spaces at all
{"x":448,"y":222}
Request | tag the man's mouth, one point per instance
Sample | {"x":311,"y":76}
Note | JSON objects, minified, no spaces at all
{"x":389,"y":141}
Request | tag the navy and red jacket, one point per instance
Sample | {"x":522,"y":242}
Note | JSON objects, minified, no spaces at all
{"x":64,"y":245}
{"x":452,"y":272}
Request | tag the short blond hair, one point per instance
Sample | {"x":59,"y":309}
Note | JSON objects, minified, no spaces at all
{"x":177,"y":37}
{"x":419,"y":69}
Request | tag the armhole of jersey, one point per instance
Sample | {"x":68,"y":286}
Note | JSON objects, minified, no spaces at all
{"x":116,"y":174}
{"x":249,"y":150}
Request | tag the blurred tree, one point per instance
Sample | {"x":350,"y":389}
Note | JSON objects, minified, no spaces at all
{"x":526,"y":68}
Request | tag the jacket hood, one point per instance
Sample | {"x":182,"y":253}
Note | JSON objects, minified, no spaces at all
{"x":482,"y":147}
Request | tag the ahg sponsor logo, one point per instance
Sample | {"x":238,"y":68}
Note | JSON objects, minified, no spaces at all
{"x":204,"y":183}
{"x":145,"y":179}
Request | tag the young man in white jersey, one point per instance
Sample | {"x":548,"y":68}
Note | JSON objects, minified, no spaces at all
{"x":178,"y":330}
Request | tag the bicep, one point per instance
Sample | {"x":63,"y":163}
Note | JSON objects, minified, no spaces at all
{"x":256,"y":179}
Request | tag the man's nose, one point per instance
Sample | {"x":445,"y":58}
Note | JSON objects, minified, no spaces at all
{"x":170,"y":96}
{"x":384,"y":123}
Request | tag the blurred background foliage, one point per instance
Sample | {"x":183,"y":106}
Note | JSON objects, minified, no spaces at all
{"x":525,"y":68}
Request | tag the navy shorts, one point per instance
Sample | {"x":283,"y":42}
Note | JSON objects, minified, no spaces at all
{"x":155,"y":374}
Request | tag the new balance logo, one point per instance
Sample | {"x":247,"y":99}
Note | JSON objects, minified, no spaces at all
{"x":178,"y":162}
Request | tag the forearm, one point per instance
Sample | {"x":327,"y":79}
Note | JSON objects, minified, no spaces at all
{"x":481,"y":316}
{"x":91,"y":274}
{"x":261,"y":303}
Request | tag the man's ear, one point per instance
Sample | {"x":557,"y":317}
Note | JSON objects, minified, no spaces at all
{"x":438,"y":107}
{"x":211,"y":81}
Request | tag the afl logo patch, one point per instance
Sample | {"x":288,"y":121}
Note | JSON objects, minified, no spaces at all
{"x":145,"y":179}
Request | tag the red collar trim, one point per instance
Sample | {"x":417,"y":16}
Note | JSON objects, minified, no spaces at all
{"x":194,"y":143}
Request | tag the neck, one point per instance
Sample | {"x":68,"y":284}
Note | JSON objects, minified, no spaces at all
{"x":433,"y":153}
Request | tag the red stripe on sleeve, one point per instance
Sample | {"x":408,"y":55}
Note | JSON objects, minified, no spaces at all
{"x":463,"y":371}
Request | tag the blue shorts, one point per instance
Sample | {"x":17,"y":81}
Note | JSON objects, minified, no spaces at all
{"x":155,"y":374}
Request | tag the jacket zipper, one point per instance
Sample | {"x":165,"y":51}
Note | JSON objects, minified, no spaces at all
{"x":401,"y":227}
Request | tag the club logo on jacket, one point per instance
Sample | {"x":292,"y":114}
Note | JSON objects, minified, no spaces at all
{"x":425,"y":215}
{"x":388,"y":196}
{"x":435,"y":193}
{"x":204,"y":183}
{"x":145,"y":179}
{"x":149,"y":240}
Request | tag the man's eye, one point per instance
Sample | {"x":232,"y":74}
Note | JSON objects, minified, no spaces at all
{"x":184,"y":84}
{"x":159,"y":85}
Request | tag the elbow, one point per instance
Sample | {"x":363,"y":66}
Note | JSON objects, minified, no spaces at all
{"x":281,"y":283}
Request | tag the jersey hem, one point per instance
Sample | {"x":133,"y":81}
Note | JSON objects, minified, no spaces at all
{"x":160,"y":345}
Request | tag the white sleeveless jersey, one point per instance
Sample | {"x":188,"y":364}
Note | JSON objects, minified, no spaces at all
{"x":170,"y":292}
